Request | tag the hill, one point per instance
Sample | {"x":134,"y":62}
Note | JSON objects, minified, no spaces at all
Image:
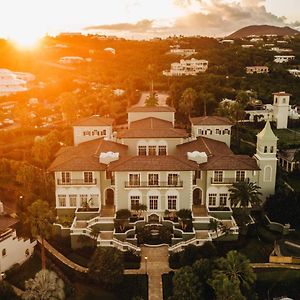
{"x":262,"y":30}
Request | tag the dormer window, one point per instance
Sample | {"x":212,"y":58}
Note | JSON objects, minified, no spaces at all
{"x":151,"y":150}
{"x":162,"y":150}
{"x":142,"y":150}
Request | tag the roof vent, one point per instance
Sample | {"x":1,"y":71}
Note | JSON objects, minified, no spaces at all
{"x":108,"y":157}
{"x":198,"y":157}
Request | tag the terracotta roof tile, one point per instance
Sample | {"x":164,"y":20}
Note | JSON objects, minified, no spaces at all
{"x":152,"y":127}
{"x":7,"y":222}
{"x":95,"y":121}
{"x":151,"y":109}
{"x":85,"y":156}
{"x":210,"y":120}
{"x":153,"y":163}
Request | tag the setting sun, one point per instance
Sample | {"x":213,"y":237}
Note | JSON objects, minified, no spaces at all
{"x":29,"y":40}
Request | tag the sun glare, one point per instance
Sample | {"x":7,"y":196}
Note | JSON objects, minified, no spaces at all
{"x":27,"y":41}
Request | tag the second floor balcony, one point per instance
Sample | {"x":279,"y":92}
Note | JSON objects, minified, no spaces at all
{"x":228,"y":180}
{"x":159,"y":184}
{"x":77,"y":182}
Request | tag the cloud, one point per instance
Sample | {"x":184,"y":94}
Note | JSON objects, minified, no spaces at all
{"x":141,"y":26}
{"x":205,"y":17}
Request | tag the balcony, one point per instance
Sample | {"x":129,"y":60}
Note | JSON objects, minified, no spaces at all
{"x":160,"y":184}
{"x":227,"y":180}
{"x":76,"y":182}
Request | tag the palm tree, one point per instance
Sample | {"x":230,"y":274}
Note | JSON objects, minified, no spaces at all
{"x":188,"y":98}
{"x":244,"y":193}
{"x":237,"y":268}
{"x":45,"y":286}
{"x":40,"y":218}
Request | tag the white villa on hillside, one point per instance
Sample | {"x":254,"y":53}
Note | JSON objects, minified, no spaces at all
{"x":10,"y":83}
{"x":13,"y":250}
{"x":187,"y":67}
{"x":154,"y":163}
{"x":68,"y":60}
{"x":294,"y":72}
{"x":279,"y":112}
{"x":257,"y":69}
{"x":182,"y":52}
{"x":280,"y":59}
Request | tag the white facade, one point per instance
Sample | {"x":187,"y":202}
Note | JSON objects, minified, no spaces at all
{"x":257,"y":69}
{"x":183,"y":52}
{"x":187,"y":67}
{"x":220,"y":133}
{"x":66,"y":60}
{"x":247,"y":46}
{"x":87,"y":133}
{"x":280,"y":59}
{"x":10,"y":83}
{"x":294,"y":72}
{"x":281,"y":109}
{"x":14,"y":250}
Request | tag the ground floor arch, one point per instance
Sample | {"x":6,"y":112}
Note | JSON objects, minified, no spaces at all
{"x":197,"y":196}
{"x":109,"y":196}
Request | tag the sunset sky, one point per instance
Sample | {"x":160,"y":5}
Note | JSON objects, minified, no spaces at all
{"x":29,"y":19}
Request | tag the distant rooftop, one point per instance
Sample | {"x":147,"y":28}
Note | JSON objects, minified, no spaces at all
{"x":210,"y":120}
{"x":151,"y":109}
{"x":95,"y":121}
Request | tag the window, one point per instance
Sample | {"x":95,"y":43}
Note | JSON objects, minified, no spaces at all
{"x":103,"y":132}
{"x":173,"y":179}
{"x":212,"y":199}
{"x":218,"y":176}
{"x":95,"y":132}
{"x":162,"y":150}
{"x":265,"y":149}
{"x":83,"y":199}
{"x":151,"y":150}
{"x":94,"y":200}
{"x":134,"y":179}
{"x":172,"y":199}
{"x":134,"y":201}
{"x":73,"y":200}
{"x":88,"y":177}
{"x":240,"y":176}
{"x":272,"y":149}
{"x":62,"y":200}
{"x":153,"y":179}
{"x":142,"y":150}
{"x":65,"y":177}
{"x":198,"y":174}
{"x":4,"y":252}
{"x":27,"y":252}
{"x":223,"y":199}
{"x":86,"y":133}
{"x":283,"y":100}
{"x":218,"y":131}
{"x":153,"y":202}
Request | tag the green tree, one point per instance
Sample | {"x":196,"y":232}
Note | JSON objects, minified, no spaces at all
{"x":151,"y":100}
{"x":188,"y":99}
{"x":224,"y":288}
{"x":186,"y":285}
{"x":7,"y":292}
{"x":40,"y":218}
{"x":243,"y":193}
{"x":46,"y":285}
{"x":106,"y":266}
{"x":237,"y":269}
{"x":68,"y":104}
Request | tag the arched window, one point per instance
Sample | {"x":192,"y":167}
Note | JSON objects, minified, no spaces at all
{"x":4,"y":252}
{"x":272,"y":149}
{"x":267,"y":173}
{"x":265,"y":149}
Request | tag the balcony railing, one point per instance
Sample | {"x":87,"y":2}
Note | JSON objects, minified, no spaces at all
{"x":159,"y":184}
{"x":76,"y":182}
{"x":227,"y":180}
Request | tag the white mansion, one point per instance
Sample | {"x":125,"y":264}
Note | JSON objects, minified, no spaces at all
{"x":187,"y":67}
{"x":154,"y":163}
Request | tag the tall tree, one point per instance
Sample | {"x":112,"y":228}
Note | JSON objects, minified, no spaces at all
{"x":68,"y":104}
{"x":41,"y":218}
{"x":237,"y":268}
{"x":186,"y":285}
{"x":188,"y":99}
{"x":46,"y":285}
{"x":106,"y":266}
{"x":243,"y":193}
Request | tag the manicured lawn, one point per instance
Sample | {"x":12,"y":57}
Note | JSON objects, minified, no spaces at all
{"x":287,"y":137}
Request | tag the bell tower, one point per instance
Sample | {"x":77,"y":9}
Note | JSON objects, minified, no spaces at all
{"x":266,"y":148}
{"x":281,"y":109}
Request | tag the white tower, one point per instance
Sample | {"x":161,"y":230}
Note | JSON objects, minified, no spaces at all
{"x":281,"y":109}
{"x":266,"y":149}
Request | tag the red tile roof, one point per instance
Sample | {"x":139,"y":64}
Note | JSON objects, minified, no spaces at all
{"x":85,"y":156}
{"x":151,"y":109}
{"x":153,"y":163}
{"x":95,"y":121}
{"x":7,"y":222}
{"x":210,"y":120}
{"x":282,"y":94}
{"x":150,"y":128}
